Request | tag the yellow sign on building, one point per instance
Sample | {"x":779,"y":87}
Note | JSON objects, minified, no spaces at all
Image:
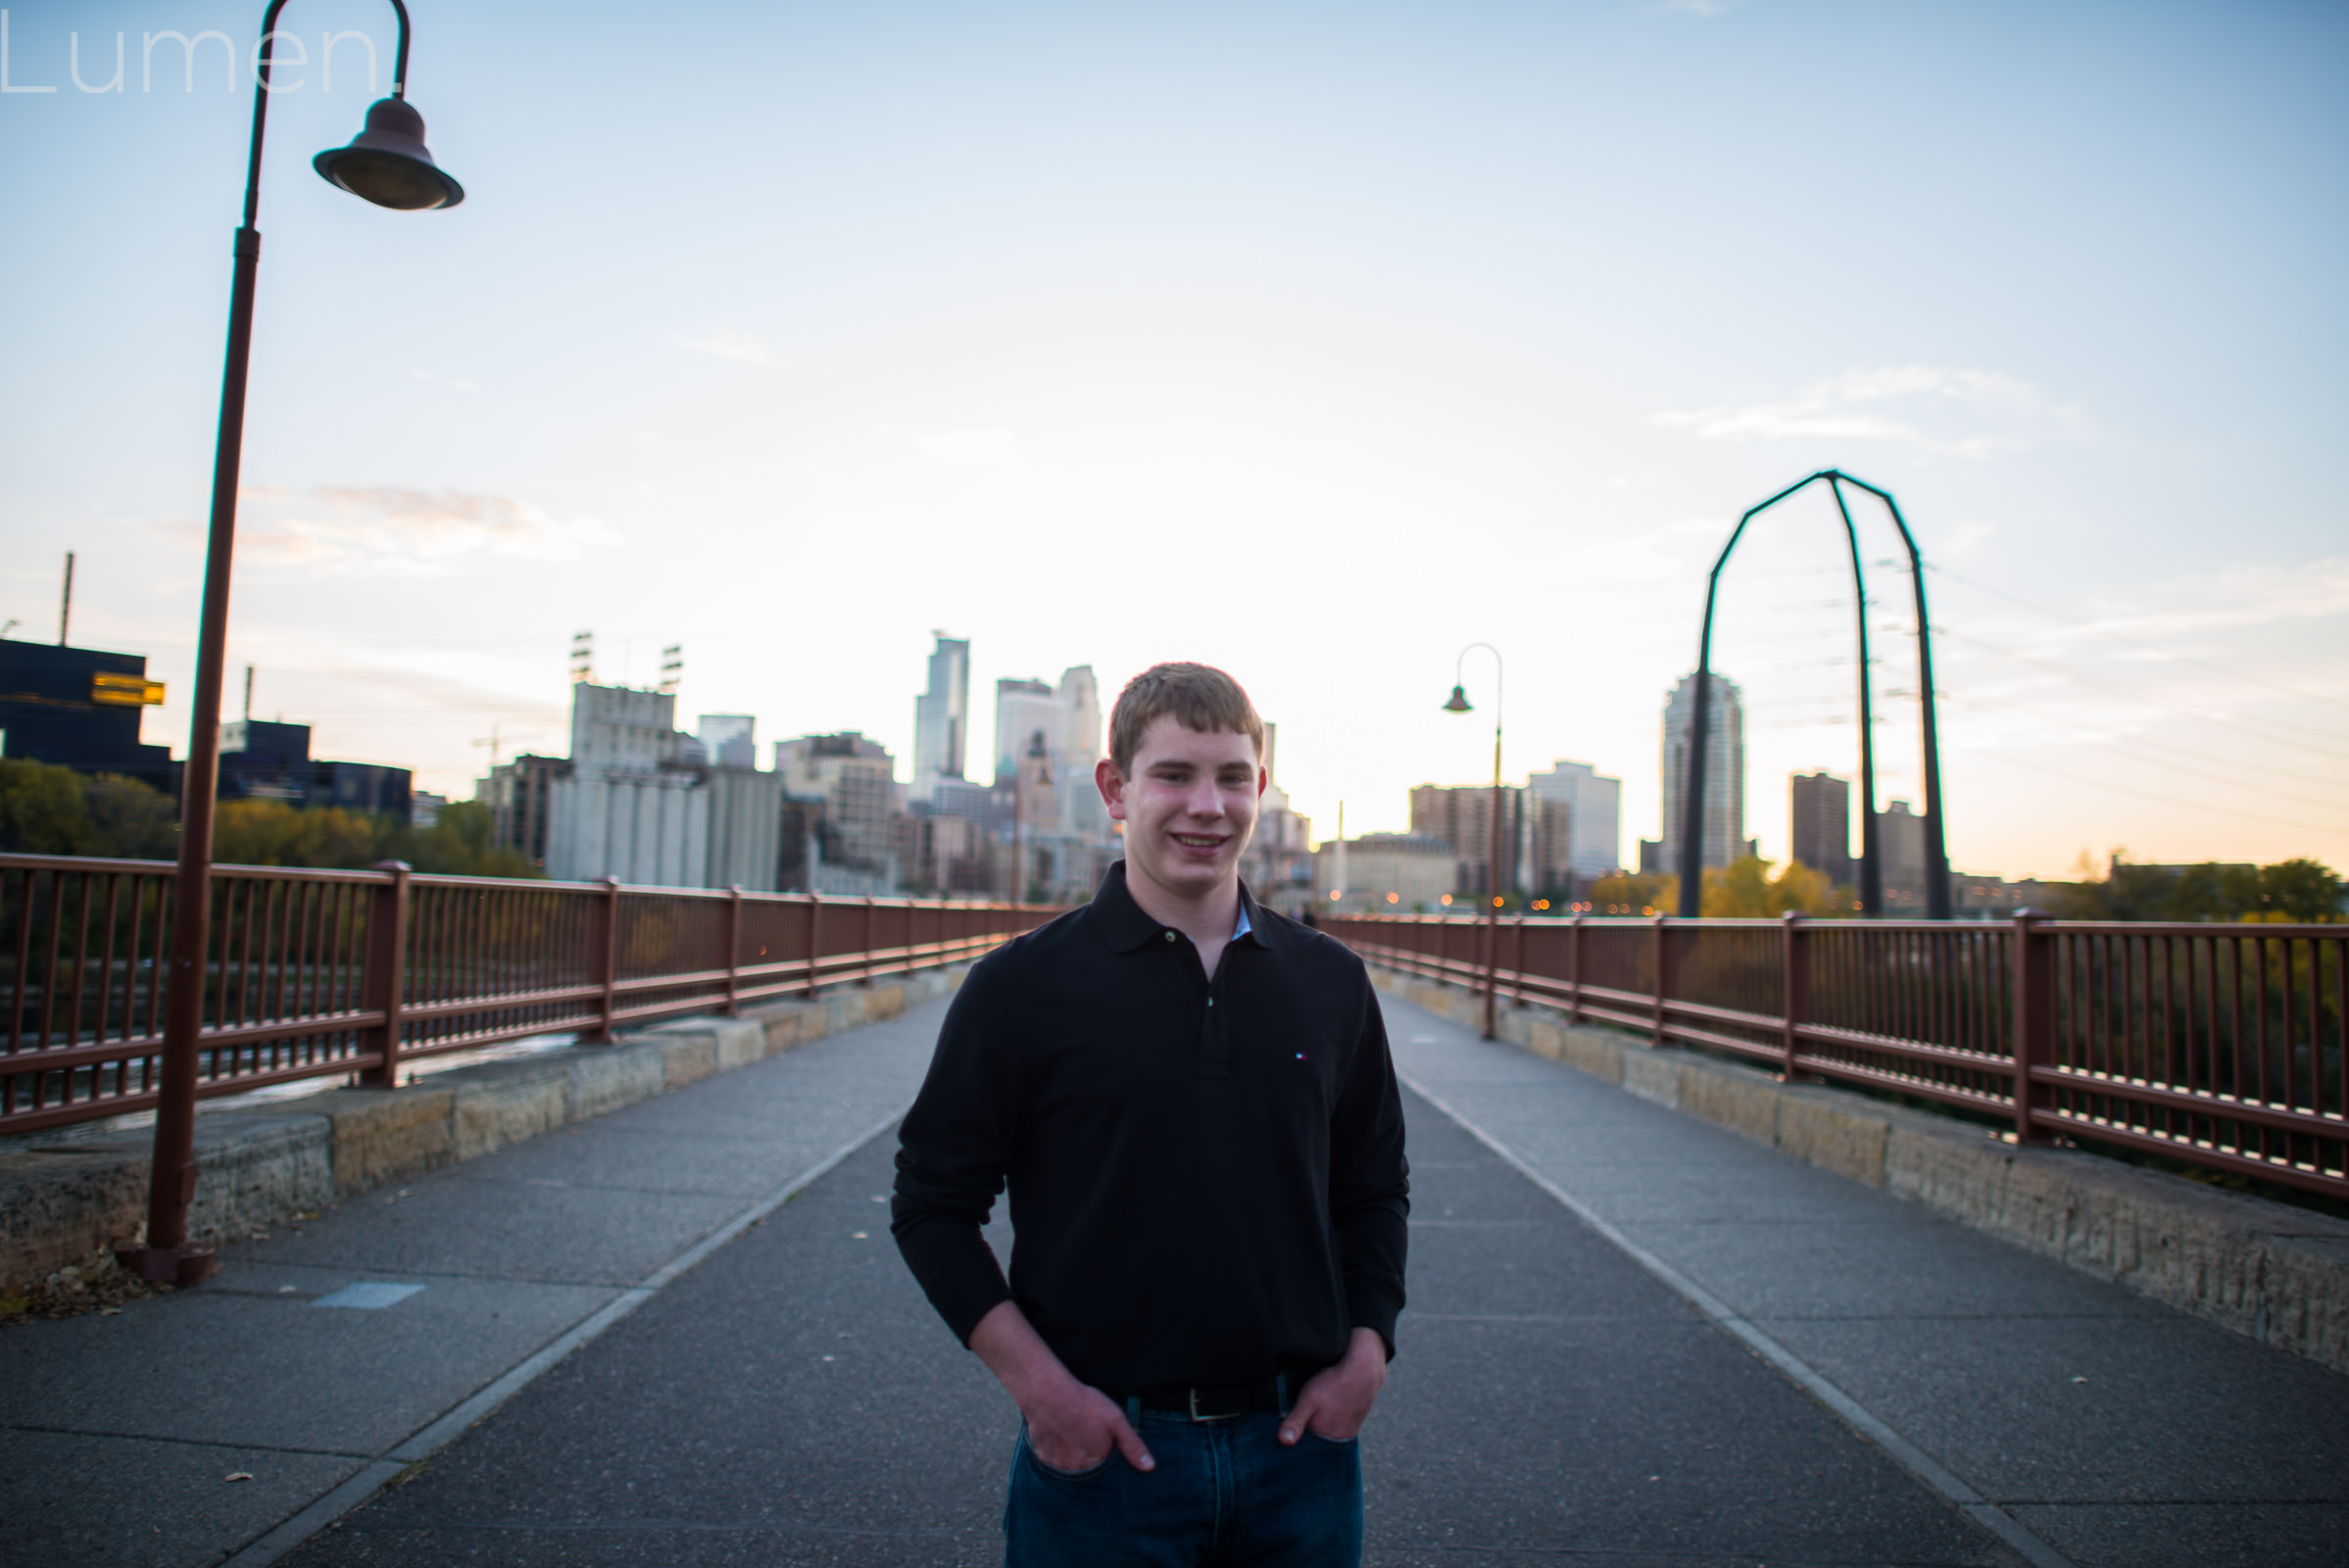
{"x":126,"y":691}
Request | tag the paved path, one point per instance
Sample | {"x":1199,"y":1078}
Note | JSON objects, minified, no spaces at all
{"x":791,"y":1398}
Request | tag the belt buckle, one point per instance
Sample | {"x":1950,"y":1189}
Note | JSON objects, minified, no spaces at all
{"x":1191,"y":1392}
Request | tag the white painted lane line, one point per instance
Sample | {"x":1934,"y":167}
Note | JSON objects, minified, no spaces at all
{"x":447,"y":1427}
{"x":1983,"y":1512}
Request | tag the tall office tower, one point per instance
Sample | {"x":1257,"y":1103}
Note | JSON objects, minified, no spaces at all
{"x":1724,"y":772}
{"x":1080,"y":747}
{"x":1461,"y":816}
{"x":1822,"y":824}
{"x":1593,"y":804}
{"x":1022,"y":708}
{"x":1900,"y":837}
{"x":942,"y":716}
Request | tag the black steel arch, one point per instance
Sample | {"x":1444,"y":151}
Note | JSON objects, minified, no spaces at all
{"x":1936,"y":857}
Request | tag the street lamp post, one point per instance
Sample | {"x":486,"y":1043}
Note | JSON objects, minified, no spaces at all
{"x":388,"y":165}
{"x":1459,"y":703}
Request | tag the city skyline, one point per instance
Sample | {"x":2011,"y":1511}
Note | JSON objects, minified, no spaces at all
{"x":1410,"y":346}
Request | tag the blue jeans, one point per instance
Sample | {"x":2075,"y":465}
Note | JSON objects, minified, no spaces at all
{"x":1224,"y":1492}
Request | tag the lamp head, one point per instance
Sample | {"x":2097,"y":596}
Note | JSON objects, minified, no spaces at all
{"x":388,"y":162}
{"x":1459,"y":702}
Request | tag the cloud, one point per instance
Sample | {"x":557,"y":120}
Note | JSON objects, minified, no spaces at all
{"x":991,"y":448}
{"x":1962,"y":412}
{"x":742,"y":346}
{"x":419,"y":532}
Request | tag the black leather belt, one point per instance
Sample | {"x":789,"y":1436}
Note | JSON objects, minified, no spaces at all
{"x":1218,"y":1402}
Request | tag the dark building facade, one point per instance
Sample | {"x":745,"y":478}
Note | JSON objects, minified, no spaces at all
{"x":520,"y":796}
{"x":266,"y":760}
{"x":1821,"y":837}
{"x":80,"y":707}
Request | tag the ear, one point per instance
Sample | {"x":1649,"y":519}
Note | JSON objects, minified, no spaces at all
{"x":1112,"y":786}
{"x":1263,"y":778}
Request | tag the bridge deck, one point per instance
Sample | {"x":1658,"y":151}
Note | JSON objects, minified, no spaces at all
{"x":791,"y":1399}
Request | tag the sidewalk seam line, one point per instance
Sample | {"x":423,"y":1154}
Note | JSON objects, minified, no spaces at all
{"x":1985,"y":1513}
{"x":443,"y":1429}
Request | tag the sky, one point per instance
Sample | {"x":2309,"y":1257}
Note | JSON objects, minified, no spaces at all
{"x":1315,"y":341}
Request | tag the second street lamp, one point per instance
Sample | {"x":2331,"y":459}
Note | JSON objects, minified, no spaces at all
{"x":1458,"y":704}
{"x":386,"y":164}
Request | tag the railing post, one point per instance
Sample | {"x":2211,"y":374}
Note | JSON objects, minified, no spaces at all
{"x":1797,"y":942}
{"x":2034,"y":1016}
{"x":871,"y":910}
{"x":602,"y":961}
{"x":816,"y":937}
{"x":1517,"y":964}
{"x":733,"y":948}
{"x":1663,"y":976}
{"x":383,"y":987}
{"x":1574,"y":971}
{"x":1492,"y":934}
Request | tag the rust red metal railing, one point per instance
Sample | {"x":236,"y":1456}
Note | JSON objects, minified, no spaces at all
{"x":2220,"y":1045}
{"x":316,"y":973}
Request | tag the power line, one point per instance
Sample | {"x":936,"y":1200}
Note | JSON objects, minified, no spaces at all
{"x":2140,"y":695}
{"x":2130,"y":642}
{"x":2166,"y":800}
{"x":2168,"y":763}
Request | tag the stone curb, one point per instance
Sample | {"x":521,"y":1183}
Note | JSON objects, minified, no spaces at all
{"x":2264,"y":1270}
{"x":258,"y":1168}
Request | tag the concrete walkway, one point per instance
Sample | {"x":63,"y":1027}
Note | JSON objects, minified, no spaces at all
{"x":1566,"y":1391}
{"x":115,"y":1433}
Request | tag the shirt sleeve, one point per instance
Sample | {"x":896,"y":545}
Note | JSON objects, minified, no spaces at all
{"x":954,"y":1152}
{"x":1370,"y":1180}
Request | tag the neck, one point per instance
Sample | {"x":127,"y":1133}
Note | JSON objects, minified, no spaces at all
{"x":1203,"y":918}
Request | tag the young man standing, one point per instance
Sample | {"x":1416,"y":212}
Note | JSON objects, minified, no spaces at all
{"x":1190,"y":1100}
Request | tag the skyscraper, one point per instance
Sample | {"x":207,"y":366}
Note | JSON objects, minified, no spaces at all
{"x":1593,"y":804}
{"x":1821,"y":836}
{"x":1724,"y":838}
{"x":942,"y":716}
{"x":1023,"y":709}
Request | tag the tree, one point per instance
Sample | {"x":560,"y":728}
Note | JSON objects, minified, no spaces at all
{"x":1635,"y":893}
{"x":1744,"y":889}
{"x":131,"y":819}
{"x":42,"y":810}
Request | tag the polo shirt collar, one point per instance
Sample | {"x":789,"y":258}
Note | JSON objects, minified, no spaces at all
{"x":1126,"y":925}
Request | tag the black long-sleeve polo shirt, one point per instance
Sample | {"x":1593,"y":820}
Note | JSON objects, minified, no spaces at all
{"x":1207,"y":1182}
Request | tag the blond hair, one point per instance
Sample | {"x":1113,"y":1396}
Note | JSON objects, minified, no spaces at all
{"x":1200,"y":698}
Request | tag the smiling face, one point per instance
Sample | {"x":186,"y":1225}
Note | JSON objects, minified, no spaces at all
{"x":1188,"y":805}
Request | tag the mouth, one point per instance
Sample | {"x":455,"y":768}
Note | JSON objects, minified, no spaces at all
{"x":1200,"y":845}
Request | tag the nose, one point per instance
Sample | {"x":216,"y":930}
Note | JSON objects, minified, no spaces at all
{"x":1205,"y":799}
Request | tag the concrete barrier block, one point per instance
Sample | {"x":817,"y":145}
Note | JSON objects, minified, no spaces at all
{"x":1544,"y":1039}
{"x":1959,"y":1171}
{"x":781,"y":1023}
{"x":845,"y":1009}
{"x":380,"y":1134}
{"x":503,"y":1103}
{"x":1746,"y":1104}
{"x":885,"y":1001}
{"x":1844,"y":1139}
{"x":58,"y":1204}
{"x":1652,"y":1075}
{"x":254,"y":1171}
{"x":2308,"y":1295}
{"x":686,"y":1057}
{"x":1596,"y":1051}
{"x":740,"y":1042}
{"x":1515,"y":1025}
{"x":604,"y":1078}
